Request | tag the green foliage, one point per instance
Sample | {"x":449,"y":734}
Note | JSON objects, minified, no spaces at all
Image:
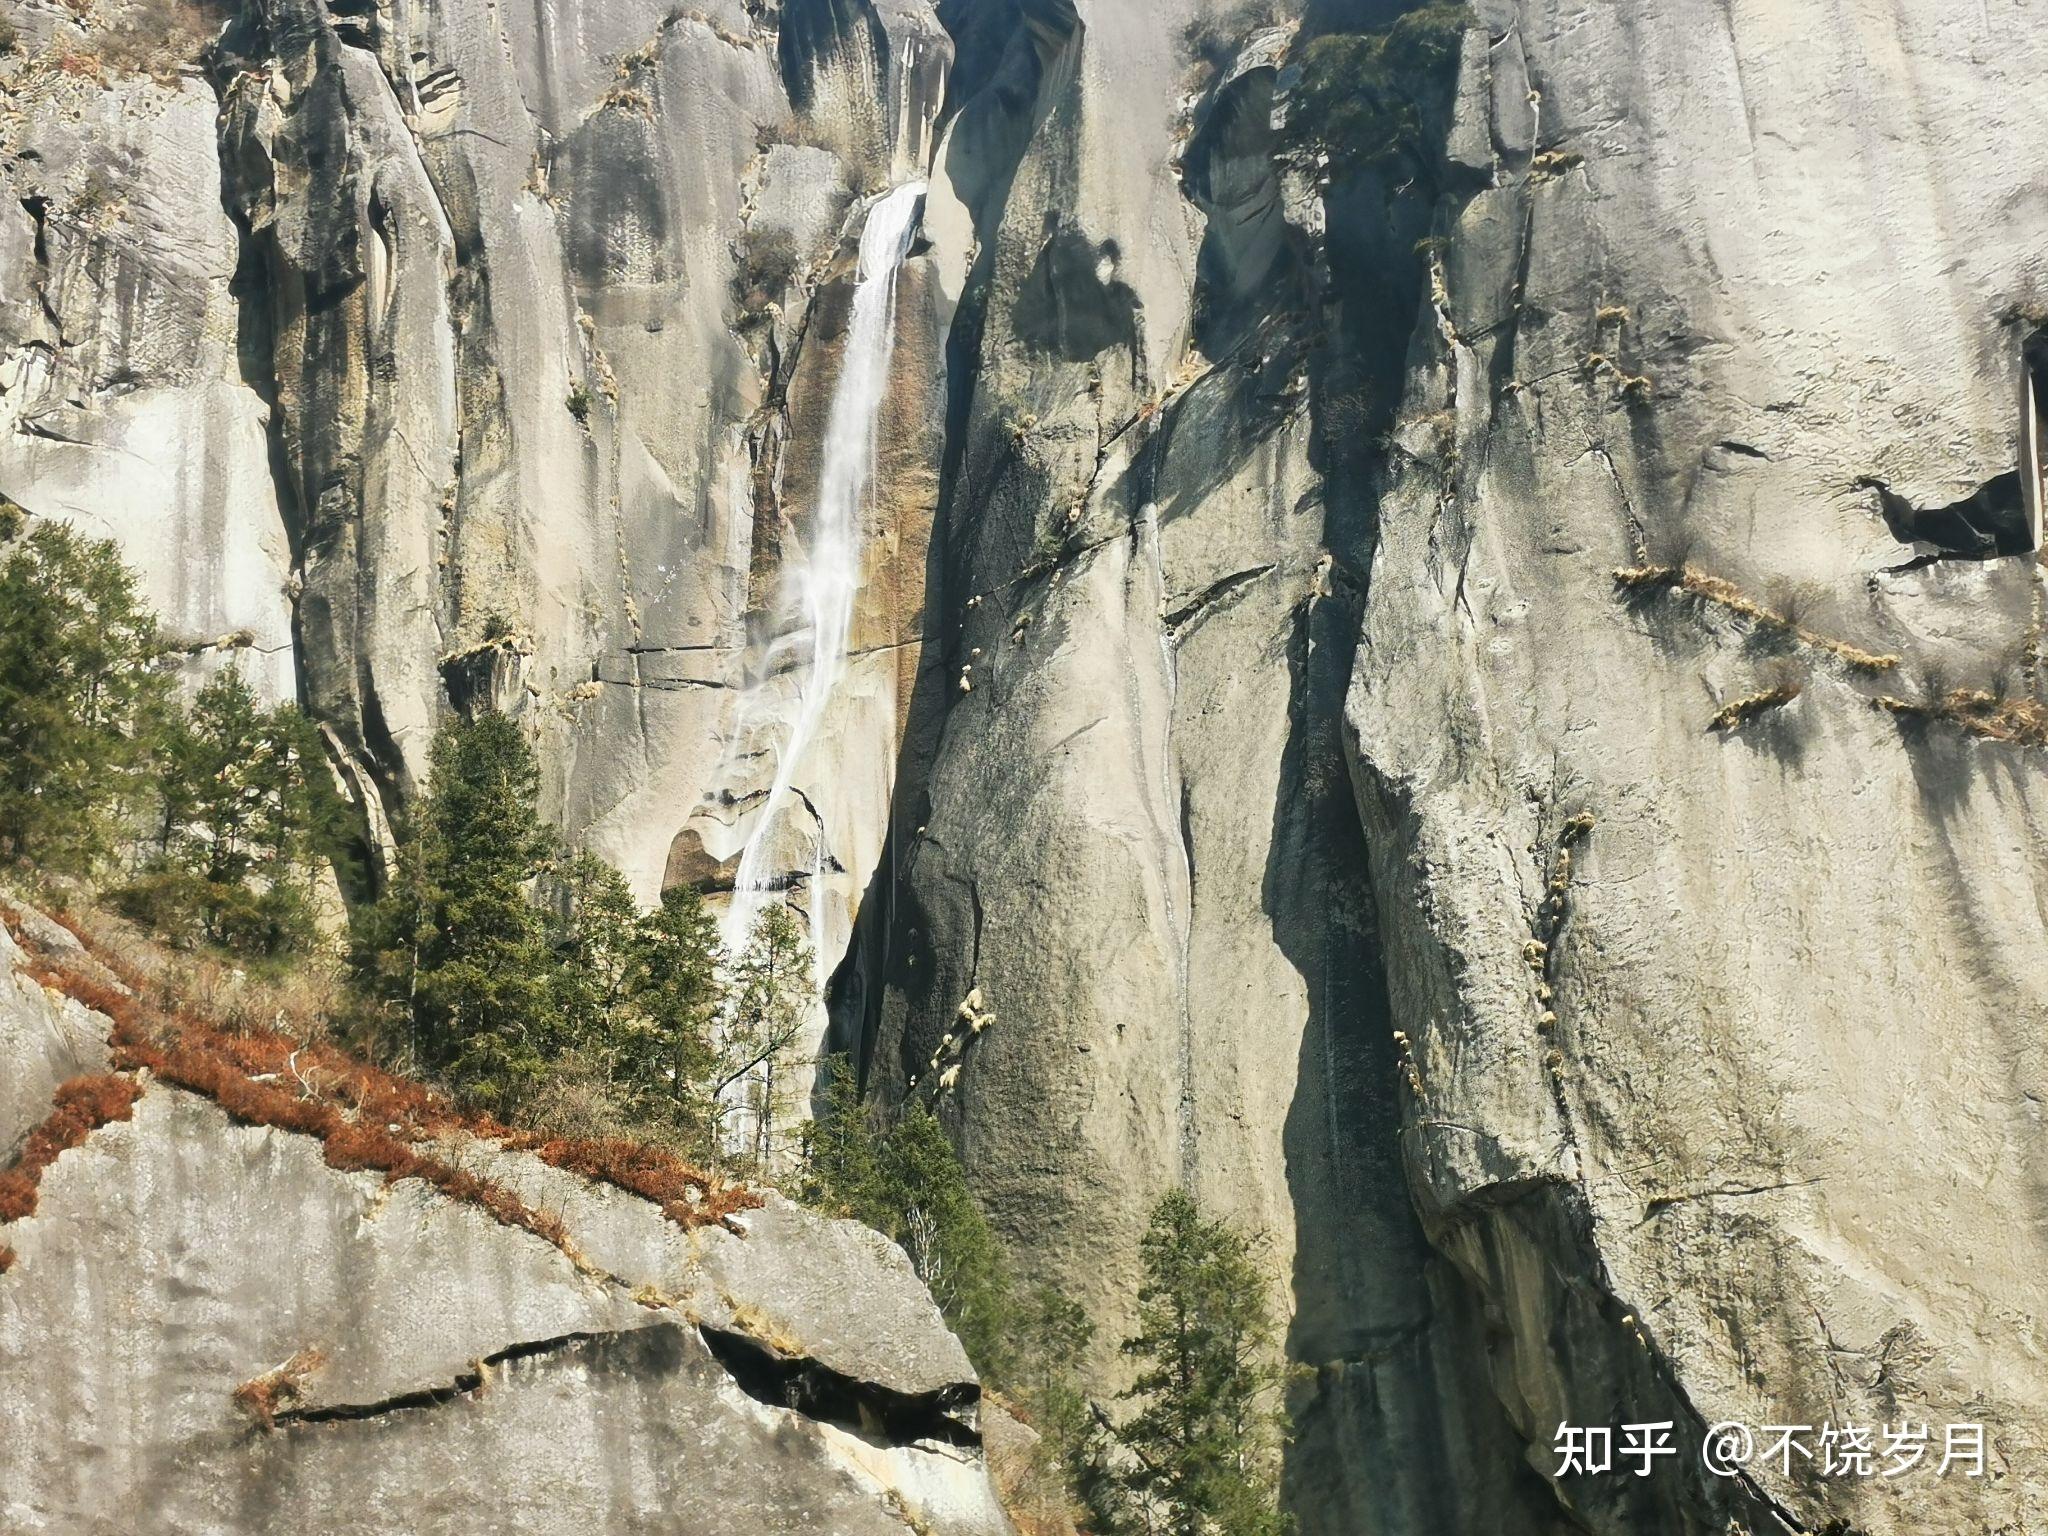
{"x":842,"y":1149}
{"x":592,"y":936}
{"x":247,"y":814}
{"x":768,"y":1004}
{"x":906,"y":1182}
{"x":668,"y":1054}
{"x":1049,"y":1339}
{"x":1368,"y":98}
{"x":82,"y":696}
{"x":458,"y":948}
{"x":1204,"y":1439}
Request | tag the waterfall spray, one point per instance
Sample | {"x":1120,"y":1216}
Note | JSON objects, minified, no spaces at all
{"x":829,"y":577}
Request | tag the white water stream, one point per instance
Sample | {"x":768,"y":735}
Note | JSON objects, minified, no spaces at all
{"x":828,"y":577}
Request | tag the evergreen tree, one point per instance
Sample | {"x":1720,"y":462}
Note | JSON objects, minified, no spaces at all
{"x":1051,"y":1338}
{"x":906,"y":1182}
{"x":768,"y":1004}
{"x":594,"y":931}
{"x":669,"y":1056}
{"x":934,"y":1215}
{"x":247,"y":813}
{"x":461,"y":948}
{"x":81,"y":695}
{"x":1205,"y":1437}
{"x":842,"y":1150}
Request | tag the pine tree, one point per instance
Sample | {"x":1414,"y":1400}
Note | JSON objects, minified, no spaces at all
{"x":1050,"y":1339}
{"x":82,"y":695}
{"x":1204,"y":1440}
{"x":842,"y":1150}
{"x":670,"y":1058}
{"x":906,"y":1182}
{"x":593,"y":936}
{"x":247,"y":813}
{"x":460,"y":946}
{"x":768,"y":1005}
{"x":935,"y":1216}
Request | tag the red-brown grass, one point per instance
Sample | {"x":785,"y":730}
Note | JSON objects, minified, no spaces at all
{"x":686,"y":1197}
{"x":6,"y":1258}
{"x":261,"y":1396}
{"x":81,"y":1106}
{"x":264,"y":1077}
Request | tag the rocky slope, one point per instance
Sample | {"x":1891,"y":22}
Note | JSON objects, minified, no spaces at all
{"x":1241,"y":705}
{"x":211,"y":1322}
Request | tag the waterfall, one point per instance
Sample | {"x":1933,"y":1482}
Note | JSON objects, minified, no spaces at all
{"x":828,"y":577}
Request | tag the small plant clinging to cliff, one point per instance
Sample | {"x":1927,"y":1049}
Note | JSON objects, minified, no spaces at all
{"x":1634,"y":387}
{"x":1689,"y":579}
{"x":1737,"y":713}
{"x":1995,"y":717}
{"x":81,"y":1106}
{"x":281,"y":1387}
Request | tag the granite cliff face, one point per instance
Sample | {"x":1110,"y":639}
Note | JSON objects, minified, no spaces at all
{"x":215,"y":1323}
{"x":1615,"y":998}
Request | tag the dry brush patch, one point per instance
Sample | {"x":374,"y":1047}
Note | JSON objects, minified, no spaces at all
{"x":687,"y":1196}
{"x":1737,"y":713}
{"x":1994,"y":717}
{"x":81,"y":1106}
{"x":365,"y":1118}
{"x":281,"y":1387}
{"x":1693,"y":582}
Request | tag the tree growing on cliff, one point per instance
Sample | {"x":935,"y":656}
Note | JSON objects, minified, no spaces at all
{"x":1049,"y":1340}
{"x":1204,"y":1440}
{"x":459,"y":948}
{"x":82,"y":696}
{"x":904,"y":1180}
{"x":669,"y":1052}
{"x":246,"y":813}
{"x":768,"y":1002}
{"x":592,"y":922}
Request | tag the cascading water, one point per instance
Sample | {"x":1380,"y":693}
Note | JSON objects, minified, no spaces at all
{"x":828,"y":578}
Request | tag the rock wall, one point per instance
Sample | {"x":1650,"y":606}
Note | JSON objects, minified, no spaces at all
{"x":1275,"y":752}
{"x":446,"y":1372}
{"x":125,"y":405}
{"x":1767,"y":1093}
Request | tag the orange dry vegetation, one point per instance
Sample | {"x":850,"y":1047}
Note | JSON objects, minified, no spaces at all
{"x":1714,"y":589}
{"x":686,"y":1197}
{"x":263,"y":1395}
{"x":81,"y":1107}
{"x":1989,"y":715}
{"x":364,"y":1117}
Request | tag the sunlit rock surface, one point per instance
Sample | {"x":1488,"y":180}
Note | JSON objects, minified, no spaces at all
{"x":1238,"y":603}
{"x":456,"y":1374}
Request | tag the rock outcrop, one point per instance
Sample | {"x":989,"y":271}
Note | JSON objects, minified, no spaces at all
{"x":1473,"y":699}
{"x":207,"y":1324}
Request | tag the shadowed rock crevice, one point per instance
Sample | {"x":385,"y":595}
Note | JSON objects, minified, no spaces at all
{"x":1990,"y":521}
{"x":464,"y":1384}
{"x":879,"y":1414}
